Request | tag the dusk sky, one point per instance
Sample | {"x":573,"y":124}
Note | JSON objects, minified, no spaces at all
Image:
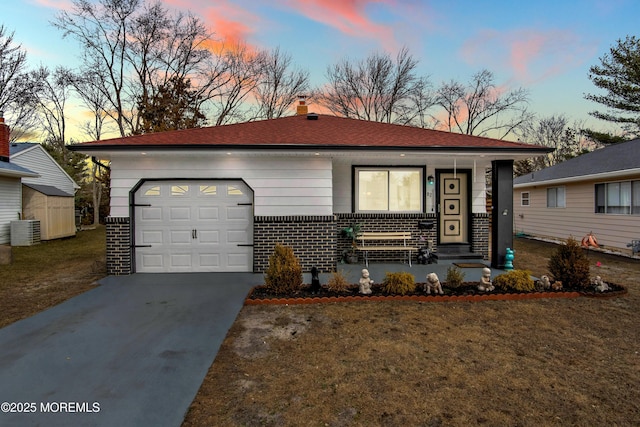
{"x":544,"y":46}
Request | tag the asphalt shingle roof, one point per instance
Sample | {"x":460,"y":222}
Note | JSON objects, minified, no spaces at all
{"x":48,"y":190}
{"x":612,"y":158}
{"x":12,"y":169}
{"x":17,"y":147}
{"x":301,"y":131}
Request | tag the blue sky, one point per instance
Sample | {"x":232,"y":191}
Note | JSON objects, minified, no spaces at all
{"x":544,"y":46}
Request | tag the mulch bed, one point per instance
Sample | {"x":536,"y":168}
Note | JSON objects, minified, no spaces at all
{"x":467,"y":292}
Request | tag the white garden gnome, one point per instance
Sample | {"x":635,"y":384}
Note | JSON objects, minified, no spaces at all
{"x":433,"y":284}
{"x":485,"y":281}
{"x":544,"y":284}
{"x":599,"y":284}
{"x":365,"y":282}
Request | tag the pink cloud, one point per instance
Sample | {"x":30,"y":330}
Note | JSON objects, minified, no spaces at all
{"x":55,"y":4}
{"x":530,"y":55}
{"x":347,"y":16}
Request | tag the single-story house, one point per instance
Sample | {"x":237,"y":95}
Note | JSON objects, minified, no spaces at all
{"x":219,"y":198}
{"x":49,"y":197}
{"x":597,"y":192}
{"x":11,"y":176}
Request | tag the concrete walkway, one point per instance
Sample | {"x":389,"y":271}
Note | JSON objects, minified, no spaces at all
{"x":132,"y":352}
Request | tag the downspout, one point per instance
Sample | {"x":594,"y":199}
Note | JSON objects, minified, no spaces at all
{"x":95,"y":161}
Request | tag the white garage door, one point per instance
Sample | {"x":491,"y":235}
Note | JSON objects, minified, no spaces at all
{"x":193,"y":226}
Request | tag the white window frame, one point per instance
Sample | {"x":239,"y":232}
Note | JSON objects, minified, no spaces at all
{"x":632,"y":202}
{"x":526,"y":198}
{"x":356,"y":192}
{"x":558,"y":202}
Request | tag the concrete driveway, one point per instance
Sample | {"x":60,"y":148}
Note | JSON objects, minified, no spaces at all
{"x":131,"y":352}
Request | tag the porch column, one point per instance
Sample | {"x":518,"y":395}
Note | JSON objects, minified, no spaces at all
{"x":501,"y":211}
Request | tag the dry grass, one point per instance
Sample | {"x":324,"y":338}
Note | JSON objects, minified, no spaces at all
{"x":47,"y":274}
{"x":518,"y":363}
{"x":530,"y":363}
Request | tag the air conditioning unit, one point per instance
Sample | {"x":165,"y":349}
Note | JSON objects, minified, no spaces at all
{"x":25,"y":232}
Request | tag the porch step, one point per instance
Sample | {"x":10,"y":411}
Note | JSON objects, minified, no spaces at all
{"x":455,"y":252}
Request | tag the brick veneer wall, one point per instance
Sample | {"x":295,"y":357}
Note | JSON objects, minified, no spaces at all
{"x":119,"y":254}
{"x":313,"y":239}
{"x":388,"y":222}
{"x":480,"y":224}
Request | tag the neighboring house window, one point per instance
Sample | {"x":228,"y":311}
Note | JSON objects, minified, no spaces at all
{"x":618,"y":198}
{"x":555,"y":197}
{"x":388,"y":189}
{"x":524,"y":198}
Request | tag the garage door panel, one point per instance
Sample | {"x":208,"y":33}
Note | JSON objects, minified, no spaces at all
{"x":181,"y":213}
{"x":152,"y":261}
{"x":211,"y":260}
{"x":237,"y":236}
{"x":151,"y":213}
{"x":194,"y":225}
{"x":150,"y":237}
{"x":237,"y":213}
{"x":237,"y":260}
{"x":180,"y":260}
{"x":181,"y":237}
{"x":209,"y":237}
{"x":208,"y":213}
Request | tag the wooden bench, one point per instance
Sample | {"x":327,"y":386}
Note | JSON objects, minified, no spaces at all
{"x":366,"y":238}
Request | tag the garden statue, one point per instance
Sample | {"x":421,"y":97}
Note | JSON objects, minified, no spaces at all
{"x":508,"y":263}
{"x":433,"y":283}
{"x":544,"y":283}
{"x":599,"y":284}
{"x":557,"y":285}
{"x":365,"y":282}
{"x":485,"y":281}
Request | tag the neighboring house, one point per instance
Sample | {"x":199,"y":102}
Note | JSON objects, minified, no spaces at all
{"x":220,"y":198}
{"x":597,"y":192}
{"x":49,"y":197}
{"x":11,"y":175}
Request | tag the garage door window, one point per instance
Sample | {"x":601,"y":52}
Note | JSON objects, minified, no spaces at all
{"x":179,"y":190}
{"x":208,"y":190}
{"x":234,"y":191}
{"x":153,"y":191}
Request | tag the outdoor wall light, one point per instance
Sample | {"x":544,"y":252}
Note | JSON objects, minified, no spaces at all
{"x":505,"y":212}
{"x":430,"y":179}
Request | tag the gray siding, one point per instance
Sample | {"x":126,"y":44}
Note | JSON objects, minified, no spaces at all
{"x":36,"y":159}
{"x":10,"y":207}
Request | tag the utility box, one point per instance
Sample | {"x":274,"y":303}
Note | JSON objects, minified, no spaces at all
{"x":25,"y":232}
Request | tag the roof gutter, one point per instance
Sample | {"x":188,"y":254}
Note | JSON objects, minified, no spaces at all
{"x":592,"y":177}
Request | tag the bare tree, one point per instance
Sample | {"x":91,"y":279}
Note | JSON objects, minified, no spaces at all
{"x":554,"y":132}
{"x":479,"y":108}
{"x":239,"y":80}
{"x":132,"y":48}
{"x":279,"y":85}
{"x":17,"y":88}
{"x":52,"y":94}
{"x":378,"y":88}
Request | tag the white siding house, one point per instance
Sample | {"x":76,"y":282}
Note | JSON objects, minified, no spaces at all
{"x":297,"y":180}
{"x":597,"y":193}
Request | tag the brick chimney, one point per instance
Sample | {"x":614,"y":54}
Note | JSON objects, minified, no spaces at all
{"x":4,"y":139}
{"x":302,"y":106}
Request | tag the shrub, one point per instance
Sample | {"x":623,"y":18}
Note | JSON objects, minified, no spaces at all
{"x":455,"y":277}
{"x":338,"y":282}
{"x":400,"y":283}
{"x":570,"y":265}
{"x":515,"y":280}
{"x":284,"y":273}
